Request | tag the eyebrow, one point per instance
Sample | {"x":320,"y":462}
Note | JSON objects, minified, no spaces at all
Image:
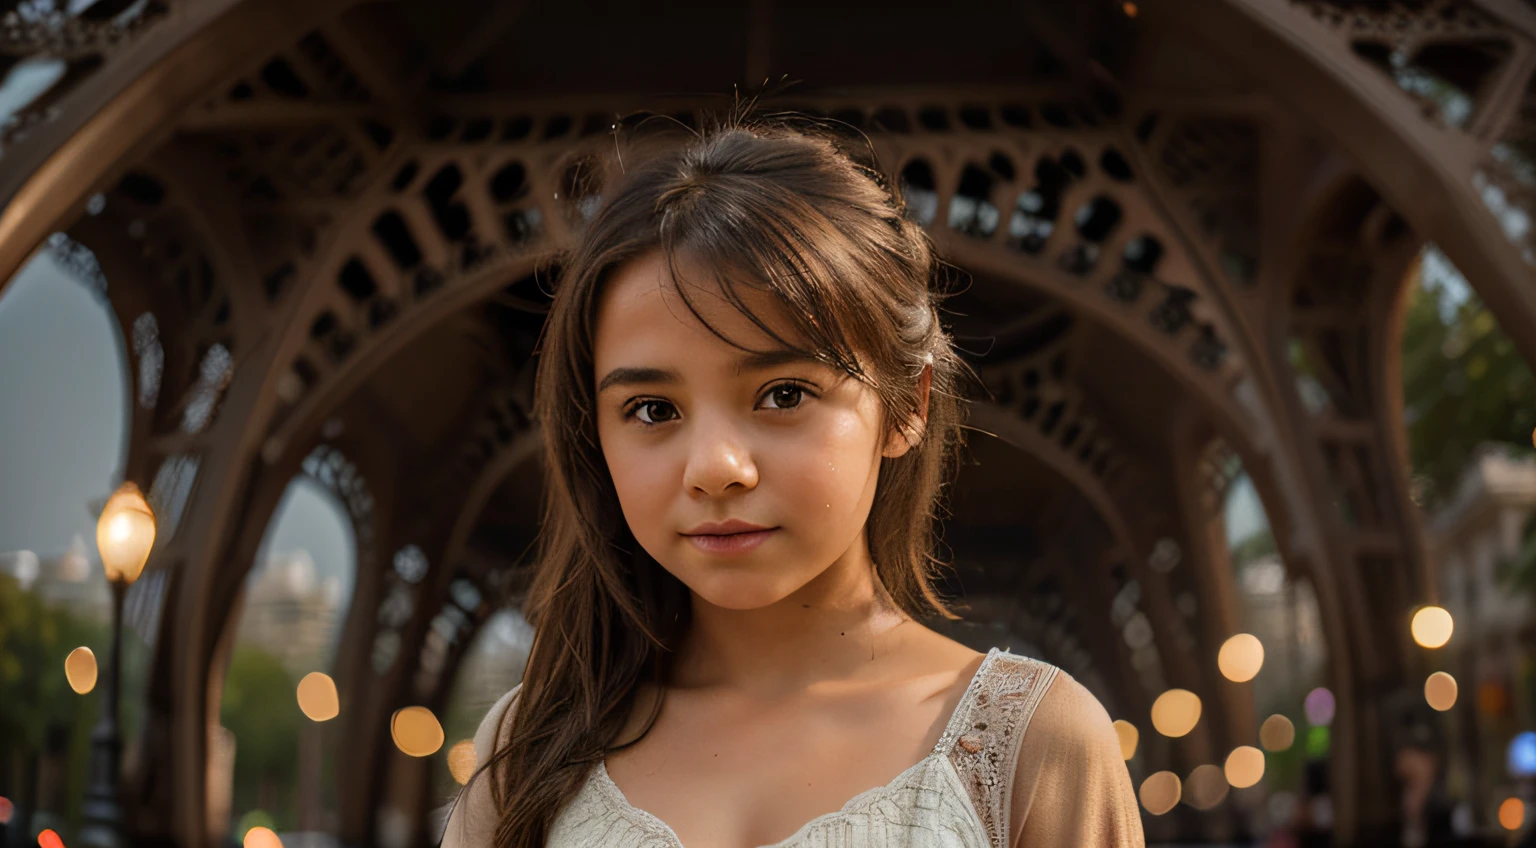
{"x":759,"y":361}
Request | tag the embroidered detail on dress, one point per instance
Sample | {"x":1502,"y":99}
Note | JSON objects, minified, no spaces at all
{"x":986,"y":752}
{"x":956,"y":797}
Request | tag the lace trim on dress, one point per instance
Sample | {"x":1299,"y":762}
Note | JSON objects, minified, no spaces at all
{"x":965,"y":781}
{"x":985,"y":750}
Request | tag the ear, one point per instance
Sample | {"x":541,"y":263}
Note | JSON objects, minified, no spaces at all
{"x":903,"y":439}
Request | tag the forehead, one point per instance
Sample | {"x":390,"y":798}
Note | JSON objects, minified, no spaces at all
{"x":642,"y":313}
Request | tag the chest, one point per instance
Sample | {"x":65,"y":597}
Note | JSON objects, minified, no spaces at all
{"x":723,"y":772}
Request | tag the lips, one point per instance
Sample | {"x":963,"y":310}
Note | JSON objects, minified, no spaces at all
{"x":729,"y":537}
{"x":725,"y":528}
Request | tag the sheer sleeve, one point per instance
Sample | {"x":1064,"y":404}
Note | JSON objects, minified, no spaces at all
{"x":1071,"y":786}
{"x":472,"y":824}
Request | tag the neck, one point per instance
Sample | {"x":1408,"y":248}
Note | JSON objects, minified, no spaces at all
{"x":834,"y":627}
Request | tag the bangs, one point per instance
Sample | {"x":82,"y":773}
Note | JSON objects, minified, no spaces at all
{"x":743,"y":243}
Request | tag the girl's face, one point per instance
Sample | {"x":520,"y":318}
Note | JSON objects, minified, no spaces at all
{"x":745,"y":475}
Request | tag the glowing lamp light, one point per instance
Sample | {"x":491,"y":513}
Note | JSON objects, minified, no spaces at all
{"x":1129,"y":736}
{"x":125,"y":533}
{"x":1161,"y":792}
{"x":1277,"y":733}
{"x":1240,"y":658}
{"x":317,"y":697}
{"x":1129,"y":9}
{"x":1512,"y":814}
{"x":1245,"y":766}
{"x":49,"y":839}
{"x":1205,"y":787}
{"x":1522,"y":755}
{"x":261,"y":837}
{"x":7,"y":809}
{"x":461,"y":761}
{"x":1175,"y":713}
{"x":1319,"y":707}
{"x":1440,"y":691}
{"x":80,"y":670}
{"x":1432,"y":627}
{"x":416,"y":732}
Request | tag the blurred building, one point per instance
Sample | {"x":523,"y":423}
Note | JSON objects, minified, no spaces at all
{"x":1476,"y":539}
{"x":70,"y":580}
{"x":291,"y":613}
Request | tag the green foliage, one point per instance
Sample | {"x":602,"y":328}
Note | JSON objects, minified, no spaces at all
{"x":1464,"y":384}
{"x":34,"y":640}
{"x":260,"y":709}
{"x":40,"y":716}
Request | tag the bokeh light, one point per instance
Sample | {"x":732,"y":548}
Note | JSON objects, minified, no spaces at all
{"x":1522,"y":755}
{"x":1205,"y":787}
{"x":1319,"y":740}
{"x":317,"y":697}
{"x":416,"y":731}
{"x":1240,"y":658}
{"x":1440,"y":691}
{"x":1176,"y":712}
{"x":1245,"y":766}
{"x":1129,"y":736}
{"x":80,"y":670}
{"x":461,"y":760}
{"x":1282,"y":807}
{"x":7,"y":809}
{"x":49,"y":839}
{"x":1319,"y":707}
{"x":261,"y":837}
{"x":1130,"y":9}
{"x":1432,"y":627}
{"x":1160,"y":792}
{"x":1277,"y":733}
{"x":1512,"y":814}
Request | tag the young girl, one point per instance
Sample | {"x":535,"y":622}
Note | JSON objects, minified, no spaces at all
{"x":749,"y":408}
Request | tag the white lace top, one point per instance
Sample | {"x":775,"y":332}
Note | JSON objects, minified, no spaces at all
{"x":959,"y":796}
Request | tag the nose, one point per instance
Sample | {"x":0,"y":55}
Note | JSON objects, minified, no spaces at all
{"x":719,"y":461}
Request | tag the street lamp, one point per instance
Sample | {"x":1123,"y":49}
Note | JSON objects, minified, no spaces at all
{"x":125,"y":533}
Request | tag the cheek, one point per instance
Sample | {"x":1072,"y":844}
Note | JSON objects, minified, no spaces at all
{"x":830,"y":471}
{"x":643,"y":478}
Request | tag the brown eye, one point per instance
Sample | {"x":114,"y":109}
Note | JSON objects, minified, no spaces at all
{"x":784,"y":396}
{"x":654,"y":412}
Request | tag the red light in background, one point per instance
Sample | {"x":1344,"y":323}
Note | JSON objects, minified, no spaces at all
{"x":49,"y":839}
{"x":7,"y":809}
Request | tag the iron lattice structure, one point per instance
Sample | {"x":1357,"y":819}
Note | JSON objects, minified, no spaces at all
{"x":1188,"y":231}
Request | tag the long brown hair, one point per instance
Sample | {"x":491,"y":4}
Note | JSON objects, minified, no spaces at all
{"x":790,"y":207}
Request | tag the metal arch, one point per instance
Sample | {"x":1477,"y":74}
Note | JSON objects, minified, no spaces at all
{"x":1135,"y":542}
{"x":190,"y":180}
{"x":1006,"y":425}
{"x":1423,"y":170}
{"x":127,"y":104}
{"x":364,"y":350}
{"x":1356,"y":434}
{"x":467,"y":484}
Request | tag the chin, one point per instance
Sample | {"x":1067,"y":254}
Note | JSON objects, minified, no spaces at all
{"x":741,"y":591}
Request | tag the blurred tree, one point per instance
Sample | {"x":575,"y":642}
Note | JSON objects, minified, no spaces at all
{"x":261,"y":710}
{"x":40,"y":715}
{"x":1464,"y":384}
{"x":1464,"y":387}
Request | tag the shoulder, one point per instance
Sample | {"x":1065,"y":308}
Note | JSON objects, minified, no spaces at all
{"x":1070,"y":784}
{"x":1071,"y":717}
{"x":494,"y":728}
{"x":473,"y":819}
